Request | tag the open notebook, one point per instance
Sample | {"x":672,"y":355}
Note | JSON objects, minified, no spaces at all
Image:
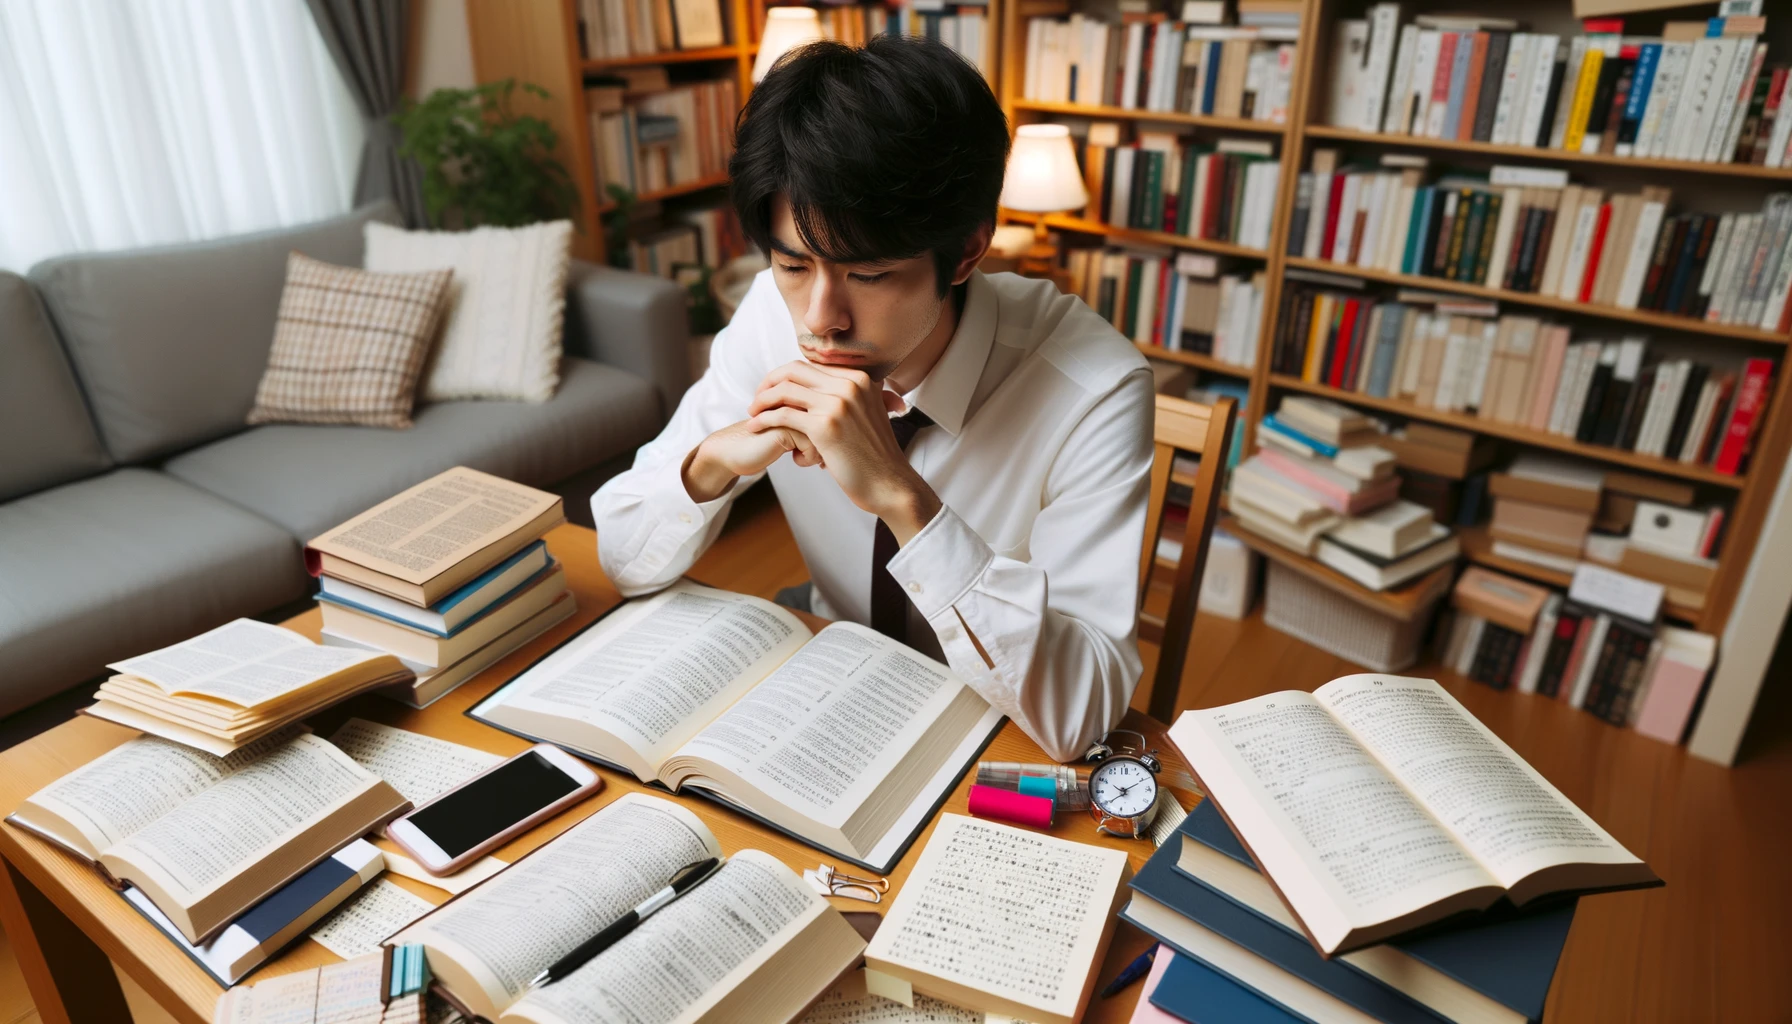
{"x":844,"y":738}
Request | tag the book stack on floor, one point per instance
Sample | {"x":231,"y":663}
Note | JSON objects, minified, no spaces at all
{"x":1371,"y":903}
{"x":1188,"y":67}
{"x":1160,"y":181}
{"x":449,"y":576}
{"x":1170,"y":300}
{"x":1701,"y":91}
{"x":1528,"y":230}
{"x":1543,"y":510}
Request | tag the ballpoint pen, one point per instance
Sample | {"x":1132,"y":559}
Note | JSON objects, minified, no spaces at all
{"x":1131,"y":972}
{"x":683,"y":880}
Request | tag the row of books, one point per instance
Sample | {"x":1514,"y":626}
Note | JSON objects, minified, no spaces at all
{"x":1159,"y":182}
{"x":1701,"y":91}
{"x":1528,"y":230}
{"x":1519,"y":370}
{"x":612,"y":29}
{"x":1175,"y":301}
{"x":963,"y":28}
{"x":1146,"y":63}
{"x":658,"y":140}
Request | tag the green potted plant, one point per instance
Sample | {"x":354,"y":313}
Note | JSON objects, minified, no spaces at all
{"x":482,"y":162}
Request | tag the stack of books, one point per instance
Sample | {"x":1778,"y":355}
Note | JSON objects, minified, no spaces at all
{"x":449,"y":576}
{"x":1381,"y":896}
{"x":1382,"y":549}
{"x":1178,"y":301}
{"x":1543,"y":510}
{"x":1223,"y":191}
{"x":1701,"y":91}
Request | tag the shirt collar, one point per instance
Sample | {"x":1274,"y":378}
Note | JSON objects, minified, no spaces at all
{"x":945,"y":393}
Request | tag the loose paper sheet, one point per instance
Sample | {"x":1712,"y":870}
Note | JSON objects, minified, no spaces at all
{"x":419,"y":767}
{"x":457,"y":883}
{"x":360,"y":925}
{"x":851,"y":1002}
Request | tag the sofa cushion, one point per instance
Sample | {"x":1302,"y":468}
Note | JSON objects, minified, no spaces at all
{"x":112,"y":566}
{"x":46,"y":434}
{"x":310,"y":478}
{"x":169,"y":342}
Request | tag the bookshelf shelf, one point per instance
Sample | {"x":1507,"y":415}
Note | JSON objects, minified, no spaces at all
{"x":713,"y":181}
{"x":1234,"y":124}
{"x":1196,"y":360}
{"x":666,"y":57}
{"x":1095,"y":227}
{"x":1662,"y":321}
{"x":1477,"y":546}
{"x":1523,"y":435}
{"x":1403,"y":602}
{"x":1550,"y":156}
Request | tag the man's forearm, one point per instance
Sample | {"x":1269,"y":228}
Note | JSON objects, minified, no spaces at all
{"x":704,"y":478}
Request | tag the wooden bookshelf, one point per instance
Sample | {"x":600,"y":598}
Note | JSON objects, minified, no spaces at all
{"x":714,"y":181}
{"x":1548,"y":156}
{"x":669,"y":57}
{"x":1405,"y":602}
{"x":1196,"y":360}
{"x":1662,"y":321}
{"x":1680,"y":605}
{"x":1084,"y":226}
{"x":1089,"y":110}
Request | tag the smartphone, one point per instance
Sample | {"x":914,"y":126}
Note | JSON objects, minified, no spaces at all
{"x":486,"y":811}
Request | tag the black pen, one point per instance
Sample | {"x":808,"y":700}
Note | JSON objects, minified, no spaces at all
{"x":682,"y":882}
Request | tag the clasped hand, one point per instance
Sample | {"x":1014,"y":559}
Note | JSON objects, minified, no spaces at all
{"x":827,"y":416}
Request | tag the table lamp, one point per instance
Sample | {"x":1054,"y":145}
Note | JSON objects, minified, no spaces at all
{"x":1042,"y":178}
{"x":786,"y":28}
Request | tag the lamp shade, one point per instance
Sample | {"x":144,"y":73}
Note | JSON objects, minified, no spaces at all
{"x":1042,"y":173}
{"x":786,"y":28}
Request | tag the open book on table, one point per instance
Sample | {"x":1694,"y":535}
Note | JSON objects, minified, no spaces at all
{"x":1378,"y":804}
{"x":844,"y":738}
{"x":750,"y":943}
{"x":205,"y":837}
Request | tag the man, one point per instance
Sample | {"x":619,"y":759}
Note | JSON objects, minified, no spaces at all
{"x":964,"y":460}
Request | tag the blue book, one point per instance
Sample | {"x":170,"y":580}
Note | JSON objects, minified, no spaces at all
{"x":1465,"y":48}
{"x":1239,"y":393}
{"x":1283,"y":966}
{"x":1420,"y":227}
{"x":452,"y":613}
{"x":1213,"y":77}
{"x":1637,"y":102}
{"x":1191,"y":990}
{"x":1324,"y":450}
{"x":1504,"y":955}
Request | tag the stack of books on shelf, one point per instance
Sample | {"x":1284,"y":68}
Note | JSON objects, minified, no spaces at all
{"x":1146,"y":62}
{"x":651,"y":135}
{"x":1528,"y":230}
{"x":1701,"y":91}
{"x":1521,"y":372}
{"x":615,"y":29}
{"x":1225,"y":192}
{"x":1543,"y":511}
{"x":1345,"y":911}
{"x":1175,"y":301}
{"x":448,"y":576}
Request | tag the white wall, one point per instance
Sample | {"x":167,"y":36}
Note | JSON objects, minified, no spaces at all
{"x":444,"y":57}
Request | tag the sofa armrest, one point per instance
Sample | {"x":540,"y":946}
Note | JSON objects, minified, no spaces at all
{"x":635,"y":322}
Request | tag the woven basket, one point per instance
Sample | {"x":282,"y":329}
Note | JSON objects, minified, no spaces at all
{"x":1332,"y":622}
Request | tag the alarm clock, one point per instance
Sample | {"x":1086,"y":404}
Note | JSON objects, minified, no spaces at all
{"x":1122,"y":786}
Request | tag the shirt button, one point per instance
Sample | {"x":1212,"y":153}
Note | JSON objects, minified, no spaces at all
{"x":684,"y":517}
{"x":914,"y":588}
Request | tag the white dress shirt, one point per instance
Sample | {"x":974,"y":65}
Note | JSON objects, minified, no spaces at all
{"x":1041,"y":456}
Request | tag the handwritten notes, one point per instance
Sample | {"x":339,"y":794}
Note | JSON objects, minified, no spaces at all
{"x":419,"y":767}
{"x":360,"y":925}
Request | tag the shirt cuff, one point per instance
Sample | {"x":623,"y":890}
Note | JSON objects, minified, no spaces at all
{"x":673,"y":517}
{"x":941,"y":563}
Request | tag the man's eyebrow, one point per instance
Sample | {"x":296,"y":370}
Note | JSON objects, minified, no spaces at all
{"x":779,"y":246}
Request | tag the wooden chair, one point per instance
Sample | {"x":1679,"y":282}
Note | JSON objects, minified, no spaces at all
{"x":1204,"y":430}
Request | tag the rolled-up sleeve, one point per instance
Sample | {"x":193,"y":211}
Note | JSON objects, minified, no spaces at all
{"x":1051,"y":641}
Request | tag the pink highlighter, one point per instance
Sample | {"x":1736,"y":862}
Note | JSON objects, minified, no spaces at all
{"x":1009,"y":806}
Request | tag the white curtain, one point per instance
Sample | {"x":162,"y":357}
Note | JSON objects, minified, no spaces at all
{"x":126,"y":123}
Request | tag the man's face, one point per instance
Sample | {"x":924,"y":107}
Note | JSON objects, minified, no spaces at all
{"x":863,"y":316}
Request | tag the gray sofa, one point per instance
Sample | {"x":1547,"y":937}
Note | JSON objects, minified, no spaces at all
{"x":135,"y":507}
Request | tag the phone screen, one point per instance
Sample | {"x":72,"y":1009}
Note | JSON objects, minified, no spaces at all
{"x":492,"y":803}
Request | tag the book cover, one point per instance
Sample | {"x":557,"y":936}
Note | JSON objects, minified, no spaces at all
{"x":1493,"y":80}
{"x":1191,"y":990}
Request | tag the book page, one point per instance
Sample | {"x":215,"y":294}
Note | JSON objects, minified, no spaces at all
{"x":431,"y":527}
{"x":679,"y":955}
{"x":1490,"y":799}
{"x":119,"y":792}
{"x":202,"y":842}
{"x":245,"y":662}
{"x":511,"y":928}
{"x":662,"y":669}
{"x":367,"y":918}
{"x":826,"y":727}
{"x":1002,"y":910}
{"x":420,"y":767}
{"x":1344,"y":841}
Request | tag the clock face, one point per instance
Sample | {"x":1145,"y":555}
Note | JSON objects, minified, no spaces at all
{"x":1123,"y":788}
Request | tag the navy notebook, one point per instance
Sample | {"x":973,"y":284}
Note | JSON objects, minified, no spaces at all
{"x":1197,"y":993}
{"x":1160,"y":881}
{"x":1505,"y":954}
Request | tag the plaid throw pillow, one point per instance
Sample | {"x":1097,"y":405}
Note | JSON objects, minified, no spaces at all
{"x":349,"y":345}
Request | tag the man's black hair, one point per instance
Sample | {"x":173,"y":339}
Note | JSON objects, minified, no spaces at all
{"x":883,"y":153}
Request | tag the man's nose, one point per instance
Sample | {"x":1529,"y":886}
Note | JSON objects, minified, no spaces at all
{"x":827,"y":313}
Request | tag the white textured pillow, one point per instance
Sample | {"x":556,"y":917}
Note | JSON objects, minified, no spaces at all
{"x":506,"y":305}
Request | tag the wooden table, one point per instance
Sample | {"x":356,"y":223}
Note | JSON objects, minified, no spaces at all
{"x":64,"y":922}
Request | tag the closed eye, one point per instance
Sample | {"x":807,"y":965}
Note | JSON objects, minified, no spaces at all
{"x":792,"y":268}
{"x":870,"y":278}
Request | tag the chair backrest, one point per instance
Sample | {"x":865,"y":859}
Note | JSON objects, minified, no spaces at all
{"x":1204,"y":430}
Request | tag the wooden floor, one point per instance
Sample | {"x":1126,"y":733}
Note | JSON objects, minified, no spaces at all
{"x":1710,"y":946}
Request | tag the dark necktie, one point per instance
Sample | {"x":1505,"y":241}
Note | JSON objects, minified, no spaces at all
{"x":889,"y":605}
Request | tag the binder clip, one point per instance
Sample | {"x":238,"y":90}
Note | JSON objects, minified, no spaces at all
{"x":828,"y":882}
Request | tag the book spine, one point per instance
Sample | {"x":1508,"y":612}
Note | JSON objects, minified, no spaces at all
{"x":1635,"y":104}
{"x":1751,"y":398}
